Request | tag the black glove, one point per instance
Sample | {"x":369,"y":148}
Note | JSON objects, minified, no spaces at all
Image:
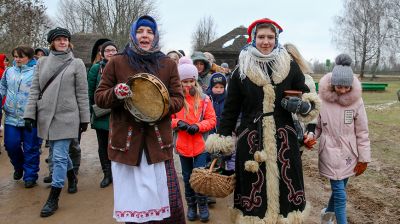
{"x":29,"y":124}
{"x":296,"y":105}
{"x":183,"y":125}
{"x":83,"y":127}
{"x":192,"y":129}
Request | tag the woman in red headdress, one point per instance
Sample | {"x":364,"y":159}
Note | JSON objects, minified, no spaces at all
{"x":269,"y":179}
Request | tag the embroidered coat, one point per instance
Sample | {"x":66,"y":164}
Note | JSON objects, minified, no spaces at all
{"x":269,"y":179}
{"x":343,"y":131}
{"x":128,"y":136}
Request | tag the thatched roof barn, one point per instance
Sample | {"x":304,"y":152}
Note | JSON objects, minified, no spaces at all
{"x":227,"y":48}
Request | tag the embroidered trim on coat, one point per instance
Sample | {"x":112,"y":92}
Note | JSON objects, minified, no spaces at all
{"x":252,"y":201}
{"x":296,"y":197}
{"x":127,"y":143}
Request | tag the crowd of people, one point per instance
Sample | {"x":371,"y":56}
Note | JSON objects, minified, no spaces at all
{"x":256,"y":119}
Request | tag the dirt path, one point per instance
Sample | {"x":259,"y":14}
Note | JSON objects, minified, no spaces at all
{"x":367,"y":204}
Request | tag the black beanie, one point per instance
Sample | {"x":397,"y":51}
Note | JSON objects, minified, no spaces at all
{"x":56,"y":32}
{"x":106,"y":44}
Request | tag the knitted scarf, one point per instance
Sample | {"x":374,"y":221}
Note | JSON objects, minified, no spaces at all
{"x":251,"y":60}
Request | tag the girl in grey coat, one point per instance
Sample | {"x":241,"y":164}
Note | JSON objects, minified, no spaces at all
{"x":60,"y":111}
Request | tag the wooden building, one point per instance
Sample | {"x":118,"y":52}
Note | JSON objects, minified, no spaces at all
{"x":227,"y":48}
{"x":83,"y":45}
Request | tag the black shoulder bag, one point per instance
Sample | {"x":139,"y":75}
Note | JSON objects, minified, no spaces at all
{"x":54,"y":76}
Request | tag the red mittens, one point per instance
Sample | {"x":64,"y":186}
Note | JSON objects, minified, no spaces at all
{"x":310,"y":144}
{"x":309,"y":140}
{"x":122,"y":91}
{"x":360,"y":168}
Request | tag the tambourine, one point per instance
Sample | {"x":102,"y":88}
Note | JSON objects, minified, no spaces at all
{"x":149,"y":101}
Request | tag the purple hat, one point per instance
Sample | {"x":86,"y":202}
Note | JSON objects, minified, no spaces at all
{"x":186,"y":69}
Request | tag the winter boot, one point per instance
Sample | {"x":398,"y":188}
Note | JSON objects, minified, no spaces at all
{"x":52,"y":202}
{"x":106,"y":167}
{"x":203,"y":208}
{"x":18,"y":174}
{"x":107,"y":180}
{"x":192,"y":208}
{"x":72,"y":181}
{"x":327,"y":217}
{"x":48,"y":179}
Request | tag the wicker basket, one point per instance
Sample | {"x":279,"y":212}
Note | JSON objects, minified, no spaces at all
{"x":210,"y":183}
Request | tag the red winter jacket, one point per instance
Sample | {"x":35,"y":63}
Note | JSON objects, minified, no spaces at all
{"x":2,"y":65}
{"x":192,"y":145}
{"x":2,"y":69}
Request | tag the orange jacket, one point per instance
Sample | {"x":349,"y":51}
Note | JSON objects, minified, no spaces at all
{"x":192,"y":145}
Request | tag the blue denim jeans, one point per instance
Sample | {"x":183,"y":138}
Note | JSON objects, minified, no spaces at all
{"x":187,"y":164}
{"x":74,"y":154}
{"x":23,"y":149}
{"x":61,"y":161}
{"x":337,"y":202}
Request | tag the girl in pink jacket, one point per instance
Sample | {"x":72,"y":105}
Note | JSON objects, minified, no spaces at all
{"x":344,"y":148}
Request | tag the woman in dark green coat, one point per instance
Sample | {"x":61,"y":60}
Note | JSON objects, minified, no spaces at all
{"x":100,"y":121}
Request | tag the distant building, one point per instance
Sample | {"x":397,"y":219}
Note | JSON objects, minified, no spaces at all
{"x":83,"y":44}
{"x":227,"y":48}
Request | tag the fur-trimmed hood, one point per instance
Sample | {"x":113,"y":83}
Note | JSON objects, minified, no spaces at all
{"x":327,"y":94}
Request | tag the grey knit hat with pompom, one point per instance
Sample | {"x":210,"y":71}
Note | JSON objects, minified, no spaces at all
{"x":342,"y":74}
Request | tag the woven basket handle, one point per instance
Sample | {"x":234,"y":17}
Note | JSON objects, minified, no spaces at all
{"x":212,"y":165}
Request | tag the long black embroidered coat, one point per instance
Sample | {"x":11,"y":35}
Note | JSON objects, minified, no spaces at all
{"x":246,"y":98}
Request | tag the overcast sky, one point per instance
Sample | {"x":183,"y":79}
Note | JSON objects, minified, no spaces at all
{"x":305,"y":23}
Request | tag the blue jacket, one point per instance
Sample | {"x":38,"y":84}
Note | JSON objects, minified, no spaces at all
{"x":15,"y":85}
{"x":218,"y":103}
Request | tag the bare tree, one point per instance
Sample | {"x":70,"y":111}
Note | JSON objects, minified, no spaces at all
{"x":394,"y":15}
{"x":108,"y":17}
{"x":72,"y":16}
{"x":204,"y":34}
{"x":23,"y":22}
{"x":363,"y":31}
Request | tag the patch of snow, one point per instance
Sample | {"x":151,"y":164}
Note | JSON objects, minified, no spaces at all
{"x":230,"y":42}
{"x":380,"y":107}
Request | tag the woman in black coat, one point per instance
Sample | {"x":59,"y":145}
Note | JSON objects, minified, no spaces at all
{"x":269,"y":179}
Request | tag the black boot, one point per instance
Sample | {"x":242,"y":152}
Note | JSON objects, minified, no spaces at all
{"x":72,"y":182}
{"x":18,"y":174}
{"x":107,"y":180}
{"x":192,"y":208}
{"x":203,"y":208}
{"x":48,"y":179}
{"x":106,"y":167}
{"x":52,"y":202}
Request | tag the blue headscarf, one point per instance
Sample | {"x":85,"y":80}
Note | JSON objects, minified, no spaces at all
{"x":139,"y":58}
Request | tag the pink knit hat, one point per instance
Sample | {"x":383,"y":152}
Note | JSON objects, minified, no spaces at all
{"x":186,"y":69}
